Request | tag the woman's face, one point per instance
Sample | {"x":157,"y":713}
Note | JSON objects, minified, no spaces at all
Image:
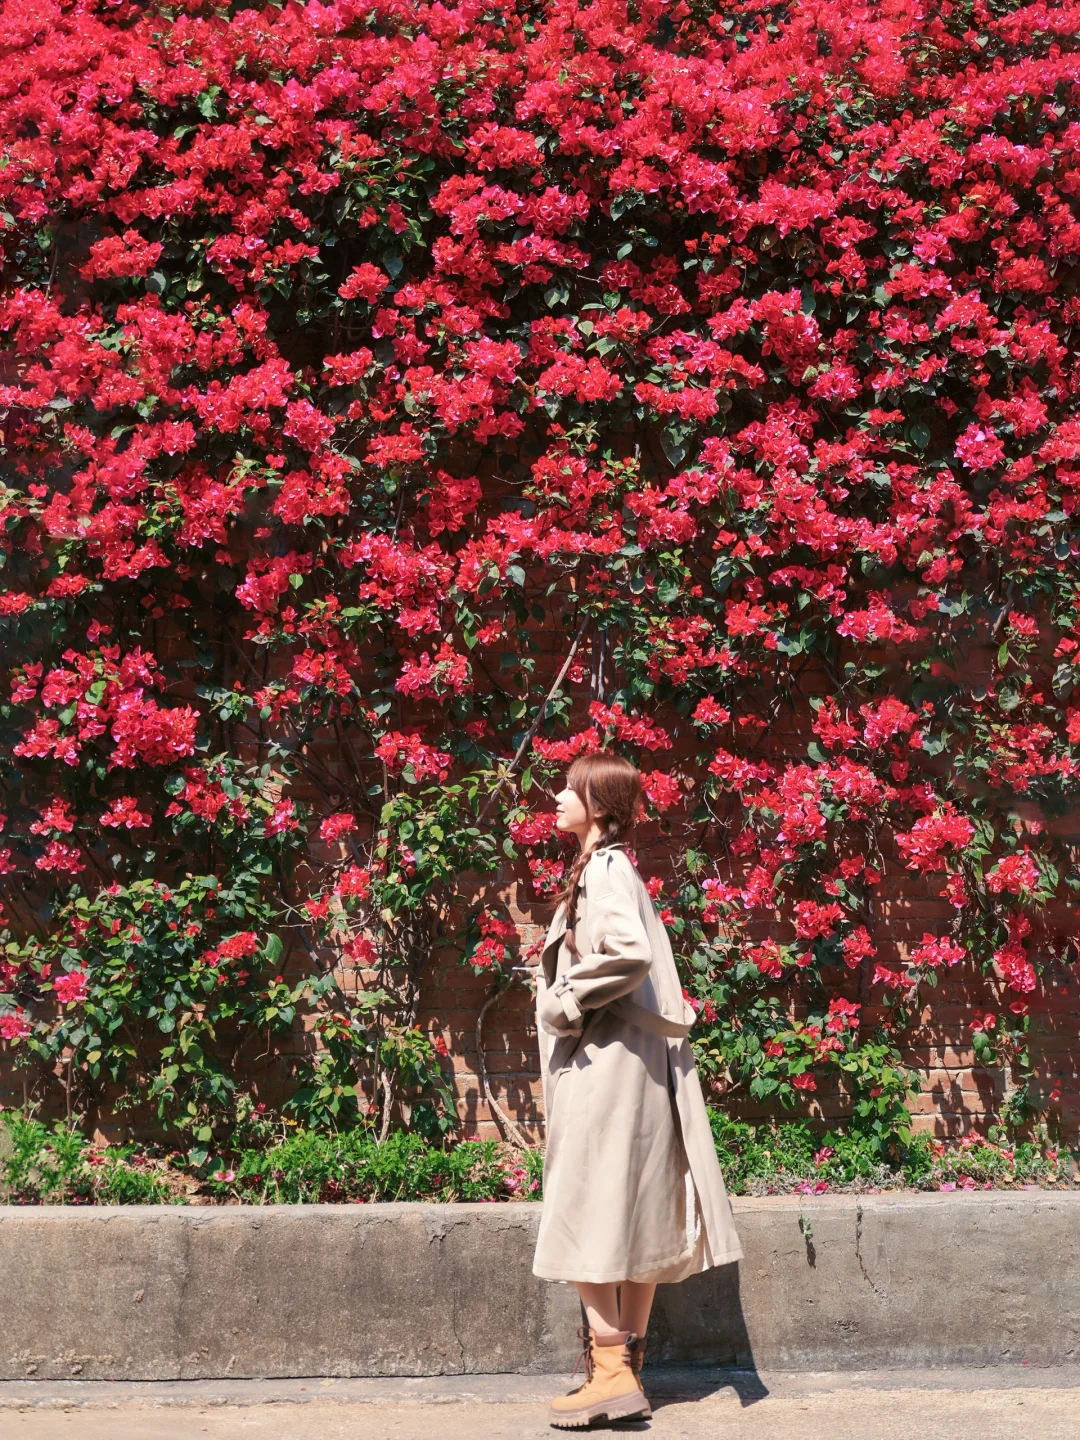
{"x":570,"y":812}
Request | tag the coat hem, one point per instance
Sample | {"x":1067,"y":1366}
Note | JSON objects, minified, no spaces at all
{"x":618,"y":1277}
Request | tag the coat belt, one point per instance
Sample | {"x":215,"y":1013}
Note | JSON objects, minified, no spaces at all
{"x":635,"y":1014}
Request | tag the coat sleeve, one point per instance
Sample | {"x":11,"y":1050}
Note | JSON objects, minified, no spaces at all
{"x":623,"y":954}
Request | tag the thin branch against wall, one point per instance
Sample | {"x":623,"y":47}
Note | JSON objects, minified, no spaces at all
{"x":536,"y":723}
{"x":510,"y":1131}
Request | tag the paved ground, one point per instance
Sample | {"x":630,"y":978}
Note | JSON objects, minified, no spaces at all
{"x":1007,"y":1403}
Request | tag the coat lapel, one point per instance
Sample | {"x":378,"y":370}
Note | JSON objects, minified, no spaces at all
{"x":557,"y":928}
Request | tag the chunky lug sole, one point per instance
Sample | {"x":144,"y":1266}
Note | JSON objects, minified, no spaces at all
{"x":624,"y":1407}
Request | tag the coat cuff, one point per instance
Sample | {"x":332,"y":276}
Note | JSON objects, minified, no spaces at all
{"x":571,"y":1009}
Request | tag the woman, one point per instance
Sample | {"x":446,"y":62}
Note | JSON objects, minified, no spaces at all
{"x":633,"y":1193}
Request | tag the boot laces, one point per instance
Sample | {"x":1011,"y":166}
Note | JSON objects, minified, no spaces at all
{"x":585,"y":1336}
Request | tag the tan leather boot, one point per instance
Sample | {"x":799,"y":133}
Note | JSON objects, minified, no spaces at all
{"x":636,"y":1346}
{"x":611,"y":1388}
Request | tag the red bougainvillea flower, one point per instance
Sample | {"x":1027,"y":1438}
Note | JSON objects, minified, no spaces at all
{"x":335,"y":826}
{"x":70,"y":988}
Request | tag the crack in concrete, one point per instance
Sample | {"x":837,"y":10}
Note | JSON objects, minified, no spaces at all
{"x":858,"y":1253}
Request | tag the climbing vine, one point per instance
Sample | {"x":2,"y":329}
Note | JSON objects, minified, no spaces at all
{"x":369,"y":368}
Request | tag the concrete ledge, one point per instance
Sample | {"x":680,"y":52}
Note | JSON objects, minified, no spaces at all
{"x":878,"y":1282}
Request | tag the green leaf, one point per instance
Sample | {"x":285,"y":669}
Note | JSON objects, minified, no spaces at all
{"x":1064,"y":679}
{"x":723,"y":573}
{"x":675,"y":441}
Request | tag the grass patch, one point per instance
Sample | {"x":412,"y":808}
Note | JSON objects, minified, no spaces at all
{"x":43,"y":1164}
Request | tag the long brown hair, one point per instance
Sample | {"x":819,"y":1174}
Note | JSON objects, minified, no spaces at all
{"x":611,"y":790}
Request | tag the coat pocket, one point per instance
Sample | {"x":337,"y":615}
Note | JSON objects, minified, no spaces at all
{"x":564,"y":1050}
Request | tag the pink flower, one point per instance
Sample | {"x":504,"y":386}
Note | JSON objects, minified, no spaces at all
{"x":365,"y":282}
{"x":14,"y":1025}
{"x":309,"y":427}
{"x":1011,"y":958}
{"x":282,"y":819}
{"x":125,"y":811}
{"x":842,"y":1015}
{"x":14,"y":602}
{"x":70,"y":988}
{"x":936,"y":952}
{"x":813,"y":920}
{"x":857,"y":946}
{"x":60,"y":857}
{"x":708,"y":712}
{"x":119,"y":255}
{"x":662,"y":788}
{"x":236,"y":947}
{"x":56,"y":816}
{"x":354,"y":881}
{"x":1014,"y":874}
{"x":145,"y":732}
{"x":979,"y":449}
{"x":769,"y":959}
{"x":335,"y":826}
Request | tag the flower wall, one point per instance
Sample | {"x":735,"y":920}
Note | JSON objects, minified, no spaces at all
{"x":402,"y":399}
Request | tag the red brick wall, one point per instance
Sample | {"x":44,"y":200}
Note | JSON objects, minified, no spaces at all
{"x":956,"y":1093}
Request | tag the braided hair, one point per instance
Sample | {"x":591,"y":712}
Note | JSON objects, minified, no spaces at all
{"x":611,"y":790}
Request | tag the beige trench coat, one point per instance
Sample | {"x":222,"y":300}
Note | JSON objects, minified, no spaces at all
{"x":632,"y":1185}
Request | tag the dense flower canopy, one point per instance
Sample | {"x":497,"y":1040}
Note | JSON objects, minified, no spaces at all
{"x":355,"y":354}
